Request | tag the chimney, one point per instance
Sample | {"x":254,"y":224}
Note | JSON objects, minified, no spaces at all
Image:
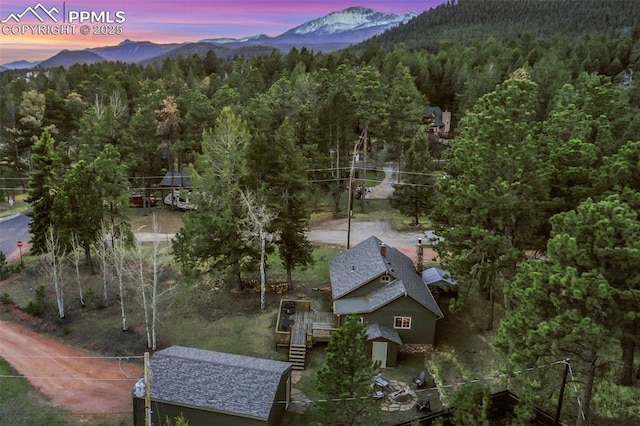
{"x":420,"y":256}
{"x":383,"y":250}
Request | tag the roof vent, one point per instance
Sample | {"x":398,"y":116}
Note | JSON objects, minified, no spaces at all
{"x":353,"y":268}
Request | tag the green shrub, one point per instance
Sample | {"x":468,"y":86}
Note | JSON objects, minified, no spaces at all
{"x":5,"y":299}
{"x":35,"y":308}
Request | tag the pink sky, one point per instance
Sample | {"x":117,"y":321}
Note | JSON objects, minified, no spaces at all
{"x":164,"y":21}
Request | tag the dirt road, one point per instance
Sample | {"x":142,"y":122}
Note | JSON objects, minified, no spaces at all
{"x":92,"y":388}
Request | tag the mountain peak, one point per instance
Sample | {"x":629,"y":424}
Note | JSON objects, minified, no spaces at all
{"x":350,"y":19}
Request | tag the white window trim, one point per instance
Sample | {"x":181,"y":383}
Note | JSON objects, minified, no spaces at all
{"x":395,"y":323}
{"x":385,"y":278}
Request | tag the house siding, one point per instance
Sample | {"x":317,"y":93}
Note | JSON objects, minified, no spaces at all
{"x":196,"y":417}
{"x":423,"y":322}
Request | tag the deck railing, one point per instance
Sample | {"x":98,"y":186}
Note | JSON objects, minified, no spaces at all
{"x":319,"y":327}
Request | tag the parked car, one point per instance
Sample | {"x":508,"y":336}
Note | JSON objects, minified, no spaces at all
{"x":137,"y":200}
{"x":178,"y":200}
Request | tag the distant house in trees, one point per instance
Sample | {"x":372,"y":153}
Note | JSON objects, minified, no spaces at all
{"x":440,"y":121}
{"x":382,"y":286}
{"x":214,"y":388}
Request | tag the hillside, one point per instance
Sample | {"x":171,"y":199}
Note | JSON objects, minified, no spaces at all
{"x":471,"y":20}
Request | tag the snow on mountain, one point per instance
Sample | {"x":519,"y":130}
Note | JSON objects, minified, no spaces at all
{"x":351,"y":19}
{"x":225,"y":40}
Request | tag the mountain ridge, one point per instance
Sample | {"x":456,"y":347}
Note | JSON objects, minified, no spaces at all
{"x":334,"y":31}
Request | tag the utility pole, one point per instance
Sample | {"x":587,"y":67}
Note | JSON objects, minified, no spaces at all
{"x":564,"y":383}
{"x":420,"y":254}
{"x":363,"y":187}
{"x":350,"y":209}
{"x":147,"y":391}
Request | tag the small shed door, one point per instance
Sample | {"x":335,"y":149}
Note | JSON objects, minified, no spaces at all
{"x":379,"y":353}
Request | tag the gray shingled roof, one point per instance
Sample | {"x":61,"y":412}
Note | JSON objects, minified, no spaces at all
{"x":375,"y":331}
{"x":436,"y":276}
{"x":216,"y":381}
{"x":370,"y":302}
{"x":362,"y":263}
{"x":356,"y":266}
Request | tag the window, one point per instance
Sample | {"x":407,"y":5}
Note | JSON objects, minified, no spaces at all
{"x":402,"y":322}
{"x":385,"y":278}
{"x":361,"y":320}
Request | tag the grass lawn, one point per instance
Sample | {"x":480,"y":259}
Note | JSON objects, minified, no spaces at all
{"x":21,"y":404}
{"x":19,"y":205}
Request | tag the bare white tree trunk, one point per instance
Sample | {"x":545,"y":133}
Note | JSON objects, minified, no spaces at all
{"x":259,"y":219}
{"x":53,"y":262}
{"x":119,"y":252}
{"x":76,"y":256}
{"x":143,"y":293}
{"x":156,"y":295}
{"x":150,"y":292}
{"x":103,"y":250}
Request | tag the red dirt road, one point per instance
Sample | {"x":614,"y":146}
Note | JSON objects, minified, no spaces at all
{"x":93,"y":389}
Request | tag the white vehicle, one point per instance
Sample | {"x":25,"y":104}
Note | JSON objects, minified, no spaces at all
{"x":179,"y":198}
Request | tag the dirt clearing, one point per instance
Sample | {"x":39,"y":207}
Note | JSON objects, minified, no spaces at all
{"x":92,"y":388}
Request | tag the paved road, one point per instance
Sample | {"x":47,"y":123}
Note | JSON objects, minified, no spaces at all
{"x":12,"y":229}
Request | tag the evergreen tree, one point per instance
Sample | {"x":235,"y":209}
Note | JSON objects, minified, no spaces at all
{"x":345,"y":380}
{"x":488,"y":205}
{"x":211,"y":236}
{"x":286,"y":187}
{"x":43,"y":184}
{"x":77,"y":210}
{"x":573,"y":303}
{"x":414,"y":195}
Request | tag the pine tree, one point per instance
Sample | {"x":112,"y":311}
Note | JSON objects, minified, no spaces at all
{"x":212,"y":236}
{"x":414,"y":195}
{"x":345,"y":380}
{"x":46,"y":166}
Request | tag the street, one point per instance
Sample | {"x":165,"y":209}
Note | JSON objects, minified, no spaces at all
{"x":14,"y":228}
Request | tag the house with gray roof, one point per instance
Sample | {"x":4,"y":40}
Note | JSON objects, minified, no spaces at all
{"x":381,"y":285}
{"x":209,"y":387}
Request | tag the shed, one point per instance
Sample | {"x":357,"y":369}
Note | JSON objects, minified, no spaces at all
{"x":383,"y":343}
{"x":209,"y":387}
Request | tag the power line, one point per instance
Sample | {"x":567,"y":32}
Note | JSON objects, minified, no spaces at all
{"x":120,"y":358}
{"x":9,"y":376}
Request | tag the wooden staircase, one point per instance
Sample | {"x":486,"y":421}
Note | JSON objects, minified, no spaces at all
{"x":297,"y":355}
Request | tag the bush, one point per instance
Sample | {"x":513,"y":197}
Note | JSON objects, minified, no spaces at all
{"x":5,"y":299}
{"x":37,"y":307}
{"x":4,"y":270}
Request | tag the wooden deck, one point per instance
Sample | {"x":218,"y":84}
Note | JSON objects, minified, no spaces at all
{"x":303,"y":327}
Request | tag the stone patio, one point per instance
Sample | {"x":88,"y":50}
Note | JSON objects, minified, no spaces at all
{"x":399,"y":397}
